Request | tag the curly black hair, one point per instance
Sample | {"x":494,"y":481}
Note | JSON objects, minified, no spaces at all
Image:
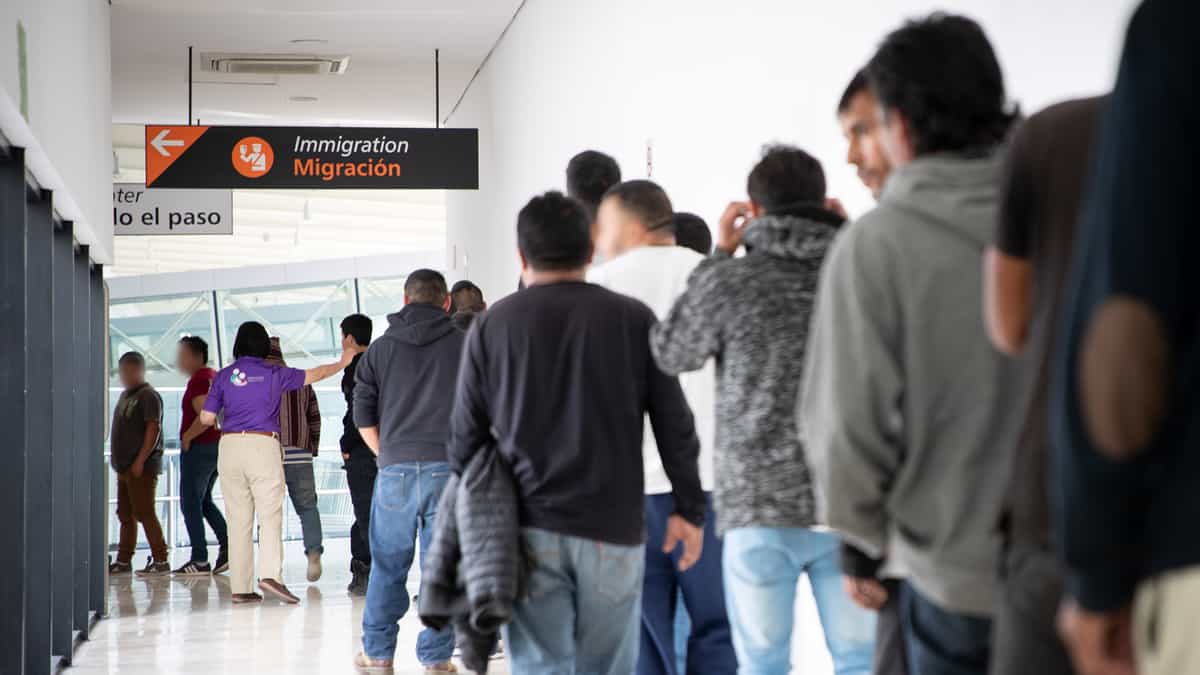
{"x":941,"y":73}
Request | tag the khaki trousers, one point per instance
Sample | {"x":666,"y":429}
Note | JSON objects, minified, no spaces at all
{"x":251,"y":470}
{"x":1166,"y":615}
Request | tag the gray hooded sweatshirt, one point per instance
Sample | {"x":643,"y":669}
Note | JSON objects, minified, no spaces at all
{"x":751,"y":314}
{"x":909,"y":415}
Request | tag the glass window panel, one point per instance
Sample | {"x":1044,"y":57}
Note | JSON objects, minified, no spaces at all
{"x":305,"y":318}
{"x":380,"y":297}
{"x":152,"y":327}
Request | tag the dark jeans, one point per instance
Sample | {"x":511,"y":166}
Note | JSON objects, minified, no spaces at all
{"x":361,"y":470}
{"x":709,"y":646}
{"x":197,"y":475}
{"x":1025,"y":639}
{"x":941,"y":642}
{"x":890,"y":657}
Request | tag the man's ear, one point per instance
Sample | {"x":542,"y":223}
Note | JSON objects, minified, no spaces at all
{"x":756,"y":210}
{"x":446,"y":304}
{"x":406,"y":300}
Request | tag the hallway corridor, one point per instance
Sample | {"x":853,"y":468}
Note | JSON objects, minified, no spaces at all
{"x":188,"y":626}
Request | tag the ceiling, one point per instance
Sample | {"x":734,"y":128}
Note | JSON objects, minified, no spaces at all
{"x":390,"y":79}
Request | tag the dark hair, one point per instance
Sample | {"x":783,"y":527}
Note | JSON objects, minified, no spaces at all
{"x":786,"y":176}
{"x":358,"y":326}
{"x":132,"y":358}
{"x":474,"y":301}
{"x":646,"y":201}
{"x":463,"y":319}
{"x":692,"y":232}
{"x":589,"y":175}
{"x":858,"y":84}
{"x":427,"y":287}
{"x":554,"y":232}
{"x":196,"y":345}
{"x":940,"y":72}
{"x":252,"y":340}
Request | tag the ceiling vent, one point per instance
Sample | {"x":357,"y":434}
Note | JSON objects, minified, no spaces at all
{"x":274,"y":64}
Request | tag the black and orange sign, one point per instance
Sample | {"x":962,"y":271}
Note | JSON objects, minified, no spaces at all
{"x":311,"y":157}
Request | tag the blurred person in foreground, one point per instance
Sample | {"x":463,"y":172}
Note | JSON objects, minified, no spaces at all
{"x":907,"y":409}
{"x":1024,"y":267}
{"x":1125,"y":398}
{"x":864,"y":151}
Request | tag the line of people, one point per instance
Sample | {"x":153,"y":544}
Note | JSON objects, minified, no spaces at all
{"x":858,"y":426}
{"x":967,"y":431}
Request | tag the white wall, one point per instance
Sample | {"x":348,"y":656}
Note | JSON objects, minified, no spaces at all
{"x":710,"y":82}
{"x":68,"y":135}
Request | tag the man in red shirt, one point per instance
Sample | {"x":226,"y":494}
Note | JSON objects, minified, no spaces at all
{"x":198,"y":463}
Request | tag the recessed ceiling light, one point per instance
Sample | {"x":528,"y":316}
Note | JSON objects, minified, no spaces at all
{"x":308,"y":41}
{"x":302,"y":99}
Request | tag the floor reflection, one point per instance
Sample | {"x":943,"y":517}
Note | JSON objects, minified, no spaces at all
{"x":189,"y":625}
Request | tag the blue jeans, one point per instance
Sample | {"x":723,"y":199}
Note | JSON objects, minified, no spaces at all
{"x":580,"y":614}
{"x":762,"y":568}
{"x":941,"y":642}
{"x":403,"y":507}
{"x":302,"y":489}
{"x":706,"y":642}
{"x":197,"y":475}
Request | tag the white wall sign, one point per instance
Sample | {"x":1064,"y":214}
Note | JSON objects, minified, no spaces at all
{"x":141,"y":212}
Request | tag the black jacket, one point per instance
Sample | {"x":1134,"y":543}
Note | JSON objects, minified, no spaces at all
{"x":404,"y":385}
{"x":1119,"y":522}
{"x":474,"y":570}
{"x":351,"y":439}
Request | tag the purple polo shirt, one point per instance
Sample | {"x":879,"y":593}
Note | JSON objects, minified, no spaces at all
{"x":249,"y":391}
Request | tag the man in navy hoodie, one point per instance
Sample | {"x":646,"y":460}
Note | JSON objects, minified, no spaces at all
{"x":403,"y":396}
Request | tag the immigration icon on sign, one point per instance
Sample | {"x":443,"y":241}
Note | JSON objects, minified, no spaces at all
{"x":253,"y":157}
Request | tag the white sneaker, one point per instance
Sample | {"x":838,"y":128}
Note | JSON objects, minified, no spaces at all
{"x":314,"y":565}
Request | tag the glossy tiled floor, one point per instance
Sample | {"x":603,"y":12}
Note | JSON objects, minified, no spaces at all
{"x":187,"y":626}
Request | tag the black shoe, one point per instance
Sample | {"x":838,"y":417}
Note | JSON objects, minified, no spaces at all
{"x":193,"y":569}
{"x":222,"y":564}
{"x":361,"y":572}
{"x":120,"y":568}
{"x":154,"y":569}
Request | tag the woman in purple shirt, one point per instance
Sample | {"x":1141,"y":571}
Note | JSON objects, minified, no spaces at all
{"x":250,"y":459}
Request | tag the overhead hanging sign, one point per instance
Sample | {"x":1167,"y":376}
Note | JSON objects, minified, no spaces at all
{"x":311,"y":157}
{"x":141,"y":212}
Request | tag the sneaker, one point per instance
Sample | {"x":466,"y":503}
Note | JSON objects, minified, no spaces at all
{"x":120,"y":568}
{"x":314,"y":565}
{"x":366,"y":664}
{"x":154,"y":568}
{"x":222,"y":564}
{"x":277,"y":589}
{"x":446,"y":667}
{"x":498,"y":652}
{"x":246,"y":598}
{"x":194,"y":569}
{"x":361,"y":575}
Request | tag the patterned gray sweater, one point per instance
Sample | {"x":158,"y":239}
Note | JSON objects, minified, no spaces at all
{"x":751,"y":314}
